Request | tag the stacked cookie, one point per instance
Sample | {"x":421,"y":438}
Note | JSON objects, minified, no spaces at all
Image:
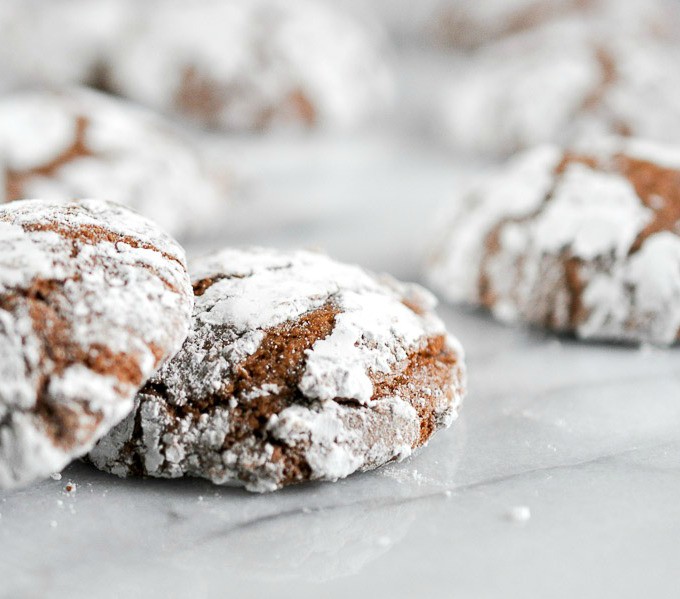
{"x":292,"y":367}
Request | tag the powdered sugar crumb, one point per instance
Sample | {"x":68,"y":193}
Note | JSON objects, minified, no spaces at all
{"x":520,"y":514}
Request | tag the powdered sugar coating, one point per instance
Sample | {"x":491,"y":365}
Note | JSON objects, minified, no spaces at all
{"x":574,"y":242}
{"x":563,"y":83}
{"x":92,"y":299}
{"x":253,"y":64}
{"x":338,"y":415}
{"x":75,"y":143}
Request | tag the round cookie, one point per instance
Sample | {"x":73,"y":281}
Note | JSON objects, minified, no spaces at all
{"x":297,"y":368}
{"x":580,"y":242}
{"x":75,"y":143}
{"x":59,"y":42}
{"x":93,"y":298}
{"x":253,"y":64}
{"x":563,"y":83}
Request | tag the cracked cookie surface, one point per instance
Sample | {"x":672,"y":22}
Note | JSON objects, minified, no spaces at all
{"x":93,"y":298}
{"x":297,"y":368}
{"x":75,"y":143}
{"x":576,"y":242}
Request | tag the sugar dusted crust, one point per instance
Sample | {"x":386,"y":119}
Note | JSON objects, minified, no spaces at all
{"x":93,"y":298}
{"x":563,"y":83}
{"x":254,"y":64}
{"x":74,"y":143}
{"x":297,"y":368}
{"x":577,"y":242}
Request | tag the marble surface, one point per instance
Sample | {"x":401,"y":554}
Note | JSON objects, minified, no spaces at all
{"x":560,"y":479}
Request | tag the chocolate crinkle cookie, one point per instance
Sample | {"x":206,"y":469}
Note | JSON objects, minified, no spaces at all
{"x":60,"y":42}
{"x":297,"y":368}
{"x":75,"y":143}
{"x":253,"y":64}
{"x":93,"y":298}
{"x":580,"y":242}
{"x":563,"y":83}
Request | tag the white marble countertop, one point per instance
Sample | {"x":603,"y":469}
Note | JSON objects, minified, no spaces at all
{"x":560,"y":479}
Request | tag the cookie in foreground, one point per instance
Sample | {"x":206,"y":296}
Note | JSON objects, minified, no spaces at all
{"x":578,"y":242}
{"x":93,"y":298}
{"x":297,"y":368}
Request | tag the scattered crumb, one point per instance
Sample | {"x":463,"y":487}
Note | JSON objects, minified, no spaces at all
{"x":60,"y":503}
{"x":55,"y":476}
{"x":53,"y":524}
{"x":306,"y":510}
{"x":448,"y":494}
{"x":519,"y":513}
{"x":384,"y":541}
{"x":70,"y":488}
{"x":200,"y":497}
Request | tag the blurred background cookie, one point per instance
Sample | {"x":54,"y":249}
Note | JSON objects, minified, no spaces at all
{"x":60,"y":42}
{"x":297,"y":368}
{"x":93,"y":298}
{"x":75,"y":143}
{"x":469,"y":25}
{"x":565,"y":82}
{"x":466,"y":25}
{"x":253,"y":64}
{"x":585,"y":243}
